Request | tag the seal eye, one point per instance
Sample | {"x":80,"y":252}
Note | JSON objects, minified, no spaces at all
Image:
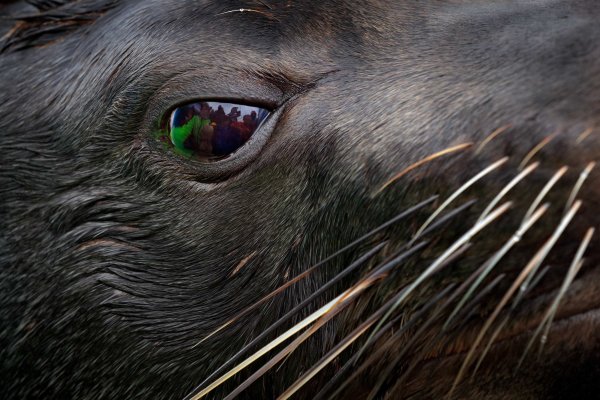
{"x":211,"y":131}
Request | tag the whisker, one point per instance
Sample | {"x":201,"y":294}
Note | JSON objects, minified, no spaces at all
{"x":534,"y":205}
{"x":384,"y":269}
{"x":500,"y":326}
{"x":326,"y":360}
{"x":401,"y":379}
{"x":406,"y":347}
{"x":382,"y":349}
{"x":446,"y":217}
{"x":525,"y":288}
{"x":441,"y":221}
{"x":259,"y":302}
{"x":495,"y":259}
{"x":528,"y":271}
{"x":449,"y":215}
{"x":536,"y":149}
{"x":441,"y":259}
{"x":417,"y":334}
{"x":350,"y":363}
{"x":421,"y":162}
{"x":457,"y":193}
{"x":304,"y":274}
{"x":544,"y":337}
{"x":341,"y":302}
{"x":322,"y":289}
{"x":489,"y":345}
{"x":468,"y":310}
{"x":265,"y":4}
{"x":274,"y":343}
{"x":507,"y":189}
{"x":584,"y":135}
{"x":243,"y":10}
{"x":550,"y":313}
{"x":582,"y":177}
{"x":242,"y":263}
{"x":576,"y":269}
{"x":451,"y":258}
{"x":339,"y":348}
{"x":357,"y":263}
{"x":548,"y":318}
{"x":325,"y":313}
{"x":381,"y":271}
{"x":491,"y":137}
{"x":406,"y":373}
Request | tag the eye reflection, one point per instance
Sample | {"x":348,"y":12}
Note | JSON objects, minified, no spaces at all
{"x":211,"y":130}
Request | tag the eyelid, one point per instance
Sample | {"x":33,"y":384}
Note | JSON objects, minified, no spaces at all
{"x":189,"y":87}
{"x":234,"y":88}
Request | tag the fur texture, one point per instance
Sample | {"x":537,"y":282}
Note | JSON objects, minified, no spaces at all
{"x":117,"y":257}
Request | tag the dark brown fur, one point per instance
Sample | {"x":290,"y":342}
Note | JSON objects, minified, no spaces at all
{"x":117,"y":257}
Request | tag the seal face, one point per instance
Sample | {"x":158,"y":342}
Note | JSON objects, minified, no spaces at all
{"x":414,"y":219}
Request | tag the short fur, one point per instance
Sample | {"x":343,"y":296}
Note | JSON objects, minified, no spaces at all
{"x":117,"y":257}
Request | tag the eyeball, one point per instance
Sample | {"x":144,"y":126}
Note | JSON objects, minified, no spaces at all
{"x":210,"y":131}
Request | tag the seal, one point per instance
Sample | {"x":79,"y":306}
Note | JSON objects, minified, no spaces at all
{"x":415,"y":217}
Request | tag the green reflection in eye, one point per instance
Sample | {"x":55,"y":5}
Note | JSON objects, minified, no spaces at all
{"x":210,"y":130}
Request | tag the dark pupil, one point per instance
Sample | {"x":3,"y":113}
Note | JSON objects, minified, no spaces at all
{"x":212,"y":130}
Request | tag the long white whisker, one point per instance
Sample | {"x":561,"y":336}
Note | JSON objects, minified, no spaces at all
{"x":544,"y":337}
{"x":549,"y":315}
{"x":495,"y":259}
{"x":457,"y":193}
{"x":528,"y":271}
{"x":346,"y":298}
{"x":504,"y":321}
{"x":274,"y":343}
{"x":439,"y":261}
{"x":582,"y":177}
{"x":544,"y":191}
{"x":507,"y":188}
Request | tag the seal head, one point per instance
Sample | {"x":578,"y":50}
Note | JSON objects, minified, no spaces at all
{"x":126,"y":267}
